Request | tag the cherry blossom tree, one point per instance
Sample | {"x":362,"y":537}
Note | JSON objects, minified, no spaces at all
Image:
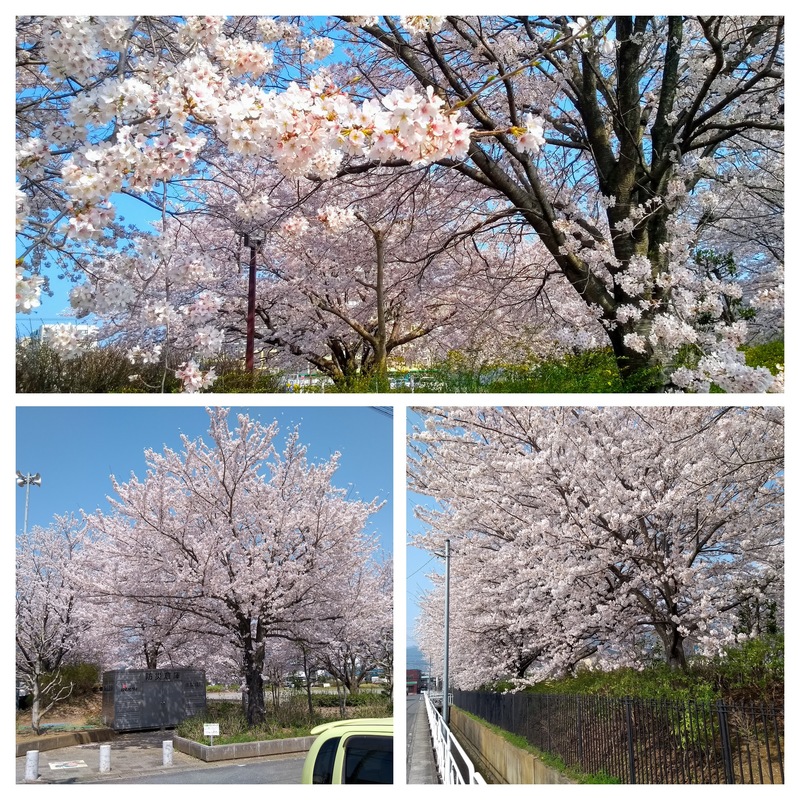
{"x":279,"y":661}
{"x":341,"y":287}
{"x":360,"y":639}
{"x":250,"y":543}
{"x":613,"y":140}
{"x":128,"y":634}
{"x":641,"y":118}
{"x":49,"y":625}
{"x":618,"y":532}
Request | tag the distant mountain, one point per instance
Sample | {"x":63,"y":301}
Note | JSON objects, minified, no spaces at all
{"x":415,"y":659}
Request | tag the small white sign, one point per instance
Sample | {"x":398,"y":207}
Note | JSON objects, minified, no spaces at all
{"x":211,"y":729}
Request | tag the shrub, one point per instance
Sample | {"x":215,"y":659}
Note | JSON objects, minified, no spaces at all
{"x":106,"y":369}
{"x":767,"y":355}
{"x":83,"y":677}
{"x":351,"y":700}
{"x":41,"y":369}
{"x":752,"y":671}
{"x":288,"y":720}
{"x":238,"y":381}
{"x":657,"y":682}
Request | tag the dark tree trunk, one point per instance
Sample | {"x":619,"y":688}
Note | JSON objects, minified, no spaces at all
{"x":254,"y":686}
{"x":253,"y":668}
{"x":673,"y":646}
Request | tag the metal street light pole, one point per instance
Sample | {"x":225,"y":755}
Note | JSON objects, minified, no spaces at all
{"x":446,"y":677}
{"x":26,"y":481}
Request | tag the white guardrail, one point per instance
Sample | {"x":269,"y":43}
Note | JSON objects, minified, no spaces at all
{"x":444,"y":745}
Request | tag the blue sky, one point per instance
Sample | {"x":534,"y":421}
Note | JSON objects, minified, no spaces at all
{"x":52,"y":308}
{"x":76,"y":449}
{"x":419,"y":563}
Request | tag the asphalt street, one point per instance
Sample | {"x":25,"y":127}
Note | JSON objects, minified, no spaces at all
{"x":284,"y":771}
{"x":138,"y":758}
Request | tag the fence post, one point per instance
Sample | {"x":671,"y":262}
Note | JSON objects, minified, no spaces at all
{"x":547,"y":717}
{"x":580,"y":731}
{"x":629,"y":727}
{"x":727,"y":758}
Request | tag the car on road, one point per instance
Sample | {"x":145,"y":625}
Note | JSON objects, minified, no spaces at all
{"x":351,"y":751}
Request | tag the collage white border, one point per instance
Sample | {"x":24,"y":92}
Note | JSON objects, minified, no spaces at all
{"x":401,"y":402}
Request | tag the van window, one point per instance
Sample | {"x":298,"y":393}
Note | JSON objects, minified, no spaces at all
{"x":368,"y":759}
{"x":323,"y":764}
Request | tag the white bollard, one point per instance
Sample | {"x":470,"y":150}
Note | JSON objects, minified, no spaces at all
{"x":166,"y":748}
{"x":31,"y":765}
{"x":105,"y":758}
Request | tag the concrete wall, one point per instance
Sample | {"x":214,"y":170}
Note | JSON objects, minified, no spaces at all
{"x":496,"y":759}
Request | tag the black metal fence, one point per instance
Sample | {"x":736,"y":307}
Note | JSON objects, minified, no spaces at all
{"x":643,"y":741}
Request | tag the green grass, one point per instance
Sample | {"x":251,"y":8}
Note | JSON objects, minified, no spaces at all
{"x":591,"y":371}
{"x":749,"y":672}
{"x":289,"y":720}
{"x":107,"y":369}
{"x":546,"y":758}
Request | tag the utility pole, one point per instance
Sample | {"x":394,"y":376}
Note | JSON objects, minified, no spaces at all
{"x":446,"y":677}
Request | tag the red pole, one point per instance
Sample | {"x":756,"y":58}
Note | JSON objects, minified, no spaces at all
{"x":251,"y":308}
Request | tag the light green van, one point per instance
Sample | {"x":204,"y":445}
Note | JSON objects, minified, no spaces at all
{"x":351,"y":751}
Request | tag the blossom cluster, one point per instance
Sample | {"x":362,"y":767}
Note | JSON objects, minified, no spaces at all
{"x":29,"y":289}
{"x":69,"y":340}
{"x":310,"y":130}
{"x":420,"y":25}
{"x":582,"y":29}
{"x":145,"y":355}
{"x":726,"y":368}
{"x":336,"y":219}
{"x":194,"y":379}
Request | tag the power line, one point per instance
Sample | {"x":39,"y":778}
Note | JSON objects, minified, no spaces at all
{"x":422,"y":567}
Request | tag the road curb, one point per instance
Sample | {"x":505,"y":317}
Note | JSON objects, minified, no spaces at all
{"x":227,"y":752}
{"x":67,"y":739}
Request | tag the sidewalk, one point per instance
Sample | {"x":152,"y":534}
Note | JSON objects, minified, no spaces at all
{"x":421,"y":766}
{"x":133,"y":755}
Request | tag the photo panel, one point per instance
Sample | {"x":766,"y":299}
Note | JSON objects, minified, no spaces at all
{"x":195,"y":586}
{"x":597,"y":594}
{"x":427,"y":204}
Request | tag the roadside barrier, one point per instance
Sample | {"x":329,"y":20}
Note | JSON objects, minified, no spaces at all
{"x":452,"y":763}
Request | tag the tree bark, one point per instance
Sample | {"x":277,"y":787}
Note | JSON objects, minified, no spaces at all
{"x":253,"y":667}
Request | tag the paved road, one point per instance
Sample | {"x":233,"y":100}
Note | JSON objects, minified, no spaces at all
{"x":283,"y":771}
{"x":137,"y":758}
